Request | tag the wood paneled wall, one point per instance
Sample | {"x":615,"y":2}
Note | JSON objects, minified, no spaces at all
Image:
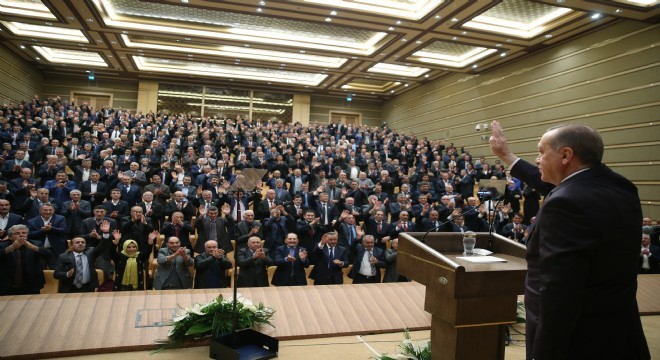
{"x":321,"y":106}
{"x":607,"y":79}
{"x":19,"y":80}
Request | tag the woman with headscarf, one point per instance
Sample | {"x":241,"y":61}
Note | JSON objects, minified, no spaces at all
{"x":129,"y":263}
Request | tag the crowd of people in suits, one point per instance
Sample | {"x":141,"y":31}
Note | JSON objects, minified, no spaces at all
{"x":103,"y":184}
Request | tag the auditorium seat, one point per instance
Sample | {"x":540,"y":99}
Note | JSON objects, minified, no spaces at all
{"x":52,"y":285}
{"x":308,"y":270}
{"x":271,"y":272}
{"x":346,"y":270}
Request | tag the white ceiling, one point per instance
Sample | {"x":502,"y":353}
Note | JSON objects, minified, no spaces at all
{"x":370,"y":48}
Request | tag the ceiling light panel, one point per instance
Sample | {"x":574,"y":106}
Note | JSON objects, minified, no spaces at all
{"x":449,"y":54}
{"x":63,"y":56}
{"x":44,"y":32}
{"x":371,"y":85}
{"x":520,"y":18}
{"x":27,"y":8}
{"x":249,"y":53}
{"x":399,"y":70}
{"x":407,"y":9}
{"x":165,"y":18}
{"x":227,"y":71}
{"x":641,"y":3}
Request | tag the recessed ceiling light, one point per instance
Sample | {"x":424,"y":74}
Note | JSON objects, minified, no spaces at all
{"x":110,"y":56}
{"x":38,"y":58}
{"x":353,"y":57}
{"x":391,"y":28}
{"x":259,"y":10}
{"x":48,"y":23}
{"x":282,"y":65}
{"x":262,"y":3}
{"x":418,"y":42}
{"x":406,"y":85}
{"x":503,"y":54}
{"x":302,"y":51}
{"x":86,"y":71}
{"x":474,"y":66}
{"x":398,"y":22}
{"x":247,"y":45}
{"x":184,"y":1}
{"x":382,"y":54}
{"x":454,"y":38}
{"x":328,"y":19}
{"x":333,"y":13}
{"x":90,"y":20}
{"x":618,"y":11}
{"x":392,"y":91}
{"x":548,"y":36}
{"x":427,"y":75}
{"x":113,"y":42}
{"x":464,"y":33}
{"x":498,"y":45}
{"x":187,"y":39}
{"x":560,"y":1}
{"x":454,"y":20}
{"x":404,"y":39}
{"x":438,"y":16}
{"x":125,"y":32}
{"x":22,"y":46}
{"x":595,"y":16}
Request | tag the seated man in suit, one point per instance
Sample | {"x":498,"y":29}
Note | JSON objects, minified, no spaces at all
{"x":247,"y":229}
{"x":180,"y":203}
{"x":368,"y":262}
{"x":75,"y":211}
{"x":328,"y":259}
{"x":391,"y":273}
{"x":180,"y":229}
{"x":50,"y":229}
{"x":291,"y":261}
{"x":210,"y":267}
{"x":173,"y":262}
{"x":253,"y":261}
{"x":76,"y":269}
{"x":649,"y":257}
{"x":20,"y":263}
{"x":117,"y":208}
{"x":7,"y":219}
{"x":516,"y":229}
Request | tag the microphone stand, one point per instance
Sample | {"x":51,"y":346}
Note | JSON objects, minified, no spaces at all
{"x":451,"y":219}
{"x":235,"y":312}
{"x":491,"y":222}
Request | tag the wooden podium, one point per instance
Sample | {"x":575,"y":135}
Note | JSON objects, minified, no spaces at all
{"x":470,"y":304}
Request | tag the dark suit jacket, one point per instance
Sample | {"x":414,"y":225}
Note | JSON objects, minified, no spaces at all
{"x":33,"y":274}
{"x":377,"y":253}
{"x":121,"y":208}
{"x":582,"y":272}
{"x":56,"y":236}
{"x":12,"y":219}
{"x":185,"y":230}
{"x":391,"y":272}
{"x":243,"y":230}
{"x":187,"y":209}
{"x":210,"y":272}
{"x":74,"y":218}
{"x":325,"y":272}
{"x":289,"y":273}
{"x":98,"y":197}
{"x":203,"y":227}
{"x":252,"y":271}
{"x":67,"y":261}
{"x":371,"y":228}
{"x":132,"y":196}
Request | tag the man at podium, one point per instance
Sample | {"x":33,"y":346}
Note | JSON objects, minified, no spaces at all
{"x":580,"y":291}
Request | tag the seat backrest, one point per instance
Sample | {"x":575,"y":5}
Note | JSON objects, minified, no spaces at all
{"x":52,"y":285}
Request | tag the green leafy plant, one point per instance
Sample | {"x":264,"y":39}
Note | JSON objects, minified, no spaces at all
{"x":215,"y":318}
{"x":407,"y":349}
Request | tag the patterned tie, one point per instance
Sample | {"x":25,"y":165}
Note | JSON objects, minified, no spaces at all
{"x":79,"y":271}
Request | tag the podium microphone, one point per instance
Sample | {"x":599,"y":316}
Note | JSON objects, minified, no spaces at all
{"x":451,"y":219}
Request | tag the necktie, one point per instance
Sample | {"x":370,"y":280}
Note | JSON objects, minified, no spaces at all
{"x":331,"y":256}
{"x":379,"y":228}
{"x":373,"y":268}
{"x":79,"y":271}
{"x":239,"y":217}
{"x":351,"y":234}
{"x":405,"y":227}
{"x":176,"y":230}
{"x":325,"y":214}
{"x":213,"y":234}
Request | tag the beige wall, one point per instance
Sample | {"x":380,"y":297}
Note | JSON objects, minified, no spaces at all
{"x":607,"y":79}
{"x":301,"y":108}
{"x":322,"y":105}
{"x":147,"y":99}
{"x":19,"y":80}
{"x":124,"y":93}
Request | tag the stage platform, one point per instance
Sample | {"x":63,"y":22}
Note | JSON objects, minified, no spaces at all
{"x":43,"y":326}
{"x":59,"y":325}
